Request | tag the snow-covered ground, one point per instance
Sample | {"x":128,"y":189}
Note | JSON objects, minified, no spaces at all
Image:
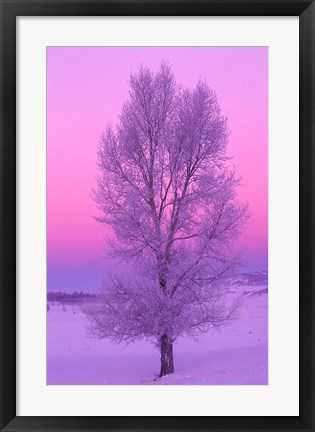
{"x":237,"y":355}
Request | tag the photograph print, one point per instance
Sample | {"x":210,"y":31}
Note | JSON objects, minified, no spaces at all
{"x":157,"y":215}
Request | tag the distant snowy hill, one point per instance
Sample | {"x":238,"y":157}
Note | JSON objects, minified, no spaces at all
{"x":249,"y":284}
{"x":258,"y":278}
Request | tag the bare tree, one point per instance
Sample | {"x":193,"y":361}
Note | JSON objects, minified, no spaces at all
{"x":166,"y":190}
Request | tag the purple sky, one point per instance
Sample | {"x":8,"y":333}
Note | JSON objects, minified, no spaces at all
{"x":86,"y":88}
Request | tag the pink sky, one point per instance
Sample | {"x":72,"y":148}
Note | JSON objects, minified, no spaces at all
{"x":86,"y":87}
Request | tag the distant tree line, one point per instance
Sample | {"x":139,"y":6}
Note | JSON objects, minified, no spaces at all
{"x":75,"y":296}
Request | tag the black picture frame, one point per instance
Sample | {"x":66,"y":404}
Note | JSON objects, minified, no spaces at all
{"x":10,"y":9}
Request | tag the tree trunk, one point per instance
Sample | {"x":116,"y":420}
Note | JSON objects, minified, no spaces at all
{"x":167,"y":361}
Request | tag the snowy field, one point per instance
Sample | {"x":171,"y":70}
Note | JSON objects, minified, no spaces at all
{"x":238,"y":355}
